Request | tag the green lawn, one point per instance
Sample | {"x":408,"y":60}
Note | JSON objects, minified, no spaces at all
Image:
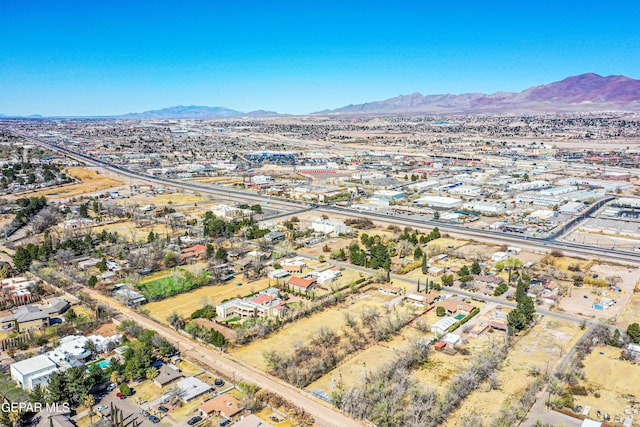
{"x":11,"y":391}
{"x":182,"y":281}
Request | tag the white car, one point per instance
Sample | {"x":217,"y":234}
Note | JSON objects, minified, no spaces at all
{"x":111,"y":387}
{"x":101,"y":408}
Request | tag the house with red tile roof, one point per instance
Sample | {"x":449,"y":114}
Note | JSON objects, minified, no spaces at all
{"x":300,"y":284}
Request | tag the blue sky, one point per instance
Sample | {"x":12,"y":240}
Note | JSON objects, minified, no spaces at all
{"x":114,"y":57}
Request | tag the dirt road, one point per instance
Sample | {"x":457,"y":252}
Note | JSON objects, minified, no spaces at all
{"x":324,"y":415}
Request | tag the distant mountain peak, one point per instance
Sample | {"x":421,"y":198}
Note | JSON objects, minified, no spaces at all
{"x":584,"y":92}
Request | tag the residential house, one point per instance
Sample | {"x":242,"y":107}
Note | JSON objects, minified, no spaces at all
{"x":191,"y":388}
{"x":390,"y":290}
{"x":167,"y":375}
{"x":130,"y":297}
{"x":223,"y":405}
{"x":421,"y":299}
{"x":300,"y":284}
{"x":34,"y":371}
{"x":266,"y":304}
{"x":194,"y":252}
{"x":435,"y":271}
{"x":454,"y":307}
{"x":34,"y":316}
{"x":253,"y":421}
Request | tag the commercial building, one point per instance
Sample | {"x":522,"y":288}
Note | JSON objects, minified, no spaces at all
{"x":438,"y":202}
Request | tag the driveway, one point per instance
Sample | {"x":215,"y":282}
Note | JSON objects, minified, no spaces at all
{"x":130,"y":410}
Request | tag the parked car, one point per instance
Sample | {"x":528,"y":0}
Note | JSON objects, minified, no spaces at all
{"x":111,"y":387}
{"x":163,"y":408}
{"x":154,"y":419}
{"x":101,"y":408}
{"x":144,"y":413}
{"x":219,"y":382}
{"x":120,"y":395}
{"x":194,"y":420}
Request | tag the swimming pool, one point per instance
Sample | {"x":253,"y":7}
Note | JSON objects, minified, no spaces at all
{"x":103,"y":364}
{"x":460,"y":317}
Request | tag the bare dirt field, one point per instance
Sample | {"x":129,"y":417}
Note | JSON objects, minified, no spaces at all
{"x":284,"y":340}
{"x":92,"y":181}
{"x":543,"y":347}
{"x":581,"y":300}
{"x":617,"y":381}
{"x":352,"y":370}
{"x":165,"y":199}
{"x":129,"y":230}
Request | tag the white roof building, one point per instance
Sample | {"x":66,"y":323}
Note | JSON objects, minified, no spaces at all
{"x":438,"y":202}
{"x":191,"y":388}
{"x":31,"y":372}
{"x":441,"y":326}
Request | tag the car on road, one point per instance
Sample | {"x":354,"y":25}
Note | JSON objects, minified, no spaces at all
{"x":163,"y":408}
{"x":194,"y":420}
{"x":120,"y":396}
{"x":585,"y":296}
{"x":101,"y":408}
{"x":154,"y":419}
{"x":111,"y":387}
{"x":144,"y":413}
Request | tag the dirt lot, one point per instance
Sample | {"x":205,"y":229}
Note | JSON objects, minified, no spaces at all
{"x":544,"y":347}
{"x":165,"y":199}
{"x":579,"y":305}
{"x":92,"y":181}
{"x":300,"y":331}
{"x":129,"y":230}
{"x":617,"y":381}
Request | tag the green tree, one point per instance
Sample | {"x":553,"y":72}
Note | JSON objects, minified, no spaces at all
{"x":447,"y":279}
{"x":512,"y":264}
{"x":88,"y":401}
{"x":500,"y":289}
{"x":464,"y":271}
{"x":125,"y":389}
{"x":475,"y":268}
{"x":151,"y":373}
{"x":57,"y":388}
{"x":93,"y":281}
{"x":517,"y":320}
{"x":424,"y":266}
{"x":102,"y":265}
{"x":84,"y":210}
{"x":170,"y":259}
{"x":151,"y":237}
{"x":633,"y":331}
{"x":221,"y":254}
{"x":210,"y":251}
{"x":417,"y":254}
{"x":22,"y":259}
{"x":38,"y":394}
{"x":436,"y":215}
{"x":175,"y":320}
{"x":440,"y":311}
{"x":70,"y":315}
{"x":527,"y":308}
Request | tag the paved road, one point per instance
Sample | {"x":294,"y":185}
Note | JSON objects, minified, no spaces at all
{"x":324,"y":414}
{"x":461,"y":230}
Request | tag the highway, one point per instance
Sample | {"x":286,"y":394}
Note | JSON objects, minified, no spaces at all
{"x":289,"y":207}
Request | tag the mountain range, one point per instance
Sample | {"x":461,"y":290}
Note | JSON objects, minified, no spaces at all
{"x":582,"y":93}
{"x":585,"y":92}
